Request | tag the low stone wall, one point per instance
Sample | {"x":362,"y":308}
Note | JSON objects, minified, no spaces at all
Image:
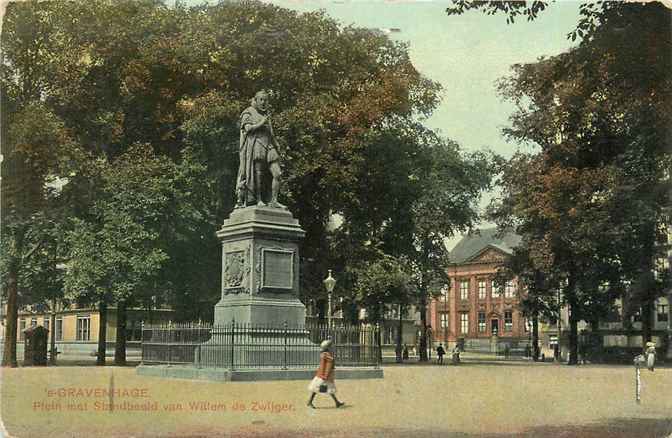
{"x":251,"y":375}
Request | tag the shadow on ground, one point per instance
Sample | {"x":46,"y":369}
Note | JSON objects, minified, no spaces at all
{"x":614,"y":428}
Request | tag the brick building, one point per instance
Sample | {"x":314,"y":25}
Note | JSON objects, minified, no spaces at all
{"x":472,"y":309}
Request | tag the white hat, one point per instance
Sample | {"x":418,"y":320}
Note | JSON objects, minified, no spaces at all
{"x":650,"y":344}
{"x":326,"y":344}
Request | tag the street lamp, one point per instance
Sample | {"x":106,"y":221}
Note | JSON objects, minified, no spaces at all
{"x":329,"y":284}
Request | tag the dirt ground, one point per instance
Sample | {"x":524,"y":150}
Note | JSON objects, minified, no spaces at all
{"x":471,"y":400}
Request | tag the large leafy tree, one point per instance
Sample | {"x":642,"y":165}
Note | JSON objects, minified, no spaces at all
{"x":112,"y":75}
{"x":599,"y":113}
{"x":118,"y":253}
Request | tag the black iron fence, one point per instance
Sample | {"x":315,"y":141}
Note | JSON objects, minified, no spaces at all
{"x":236,"y":346}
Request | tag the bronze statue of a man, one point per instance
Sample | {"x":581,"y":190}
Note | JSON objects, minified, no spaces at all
{"x":258,"y":155}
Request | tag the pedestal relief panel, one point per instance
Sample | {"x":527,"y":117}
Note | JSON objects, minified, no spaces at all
{"x":236,"y":271}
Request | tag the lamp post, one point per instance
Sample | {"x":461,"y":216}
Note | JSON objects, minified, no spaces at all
{"x":329,"y":284}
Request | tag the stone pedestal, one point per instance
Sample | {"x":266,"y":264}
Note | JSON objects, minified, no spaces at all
{"x":260,"y":289}
{"x":260,"y":268}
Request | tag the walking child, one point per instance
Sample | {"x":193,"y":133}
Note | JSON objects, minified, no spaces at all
{"x":324,"y":377}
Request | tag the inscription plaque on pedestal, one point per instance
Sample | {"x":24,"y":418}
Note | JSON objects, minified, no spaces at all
{"x":277,"y":267}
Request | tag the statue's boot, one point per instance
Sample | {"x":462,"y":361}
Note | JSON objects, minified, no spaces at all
{"x":275,"y":188}
{"x":260,"y":202}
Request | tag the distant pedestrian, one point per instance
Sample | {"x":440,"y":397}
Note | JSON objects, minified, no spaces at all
{"x":440,"y":352}
{"x":456,"y":355}
{"x":324,"y":380}
{"x":543,"y":357}
{"x":405,"y":352}
{"x":507,"y":350}
{"x":650,"y":354}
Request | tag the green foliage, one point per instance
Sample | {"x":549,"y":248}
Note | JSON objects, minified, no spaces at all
{"x":133,"y":106}
{"x":116,"y":251}
{"x":592,"y":203}
{"x":382,"y":282}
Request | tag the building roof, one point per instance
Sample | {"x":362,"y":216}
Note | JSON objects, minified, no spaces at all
{"x":474,"y":243}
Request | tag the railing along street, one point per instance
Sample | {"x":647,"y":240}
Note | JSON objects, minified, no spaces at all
{"x":236,"y":346}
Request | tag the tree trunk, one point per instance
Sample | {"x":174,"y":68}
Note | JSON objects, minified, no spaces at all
{"x":423,"y":336}
{"x":52,"y":334}
{"x":647,"y":323}
{"x":399,"y":334}
{"x":120,"y":344}
{"x":535,"y":338}
{"x":9,"y":354}
{"x":102,"y":333}
{"x":573,"y":334}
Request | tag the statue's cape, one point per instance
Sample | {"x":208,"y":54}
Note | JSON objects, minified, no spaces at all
{"x":246,"y":179}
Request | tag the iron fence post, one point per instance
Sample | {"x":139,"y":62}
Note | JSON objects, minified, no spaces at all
{"x":142,"y":344}
{"x":379,"y":347}
{"x":233,"y":337}
{"x":284,"y":360}
{"x":198,"y":340}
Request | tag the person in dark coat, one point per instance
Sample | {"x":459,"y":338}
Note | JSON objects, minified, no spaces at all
{"x":440,"y":352}
{"x":324,"y":377}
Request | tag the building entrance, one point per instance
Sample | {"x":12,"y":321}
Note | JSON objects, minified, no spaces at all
{"x":494,"y":326}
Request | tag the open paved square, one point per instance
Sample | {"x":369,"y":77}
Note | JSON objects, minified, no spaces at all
{"x":492,"y":400}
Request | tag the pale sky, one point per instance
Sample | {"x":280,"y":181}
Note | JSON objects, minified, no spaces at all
{"x":466,"y":54}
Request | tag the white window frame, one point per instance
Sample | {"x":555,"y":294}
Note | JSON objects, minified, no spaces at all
{"x":464,"y":323}
{"x":58,"y":333}
{"x":510,"y":289}
{"x":482,"y":325}
{"x":83,"y":327}
{"x":496,"y":291}
{"x":464,"y":289}
{"x":443,"y":320}
{"x":508,"y":322}
{"x":482,"y":289}
{"x":22,"y":327}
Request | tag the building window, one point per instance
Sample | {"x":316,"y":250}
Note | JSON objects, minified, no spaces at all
{"x":464,"y":323}
{"x":84,"y":328}
{"x":496,"y":291}
{"x":481,"y":289}
{"x":481,"y":322}
{"x":22,"y":327}
{"x":45,"y":324}
{"x":662,"y":312}
{"x":637,"y":316}
{"x":59,"y":328}
{"x":33,"y":321}
{"x":444,"y":320}
{"x":464,"y":290}
{"x":661,"y":266}
{"x":508,"y":320}
{"x":510,"y":290}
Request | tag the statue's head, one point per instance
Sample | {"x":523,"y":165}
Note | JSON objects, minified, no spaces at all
{"x":260,"y":101}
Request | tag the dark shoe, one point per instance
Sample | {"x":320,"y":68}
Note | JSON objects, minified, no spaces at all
{"x":339,"y":404}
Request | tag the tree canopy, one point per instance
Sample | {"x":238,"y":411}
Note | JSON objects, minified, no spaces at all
{"x":133,"y":107}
